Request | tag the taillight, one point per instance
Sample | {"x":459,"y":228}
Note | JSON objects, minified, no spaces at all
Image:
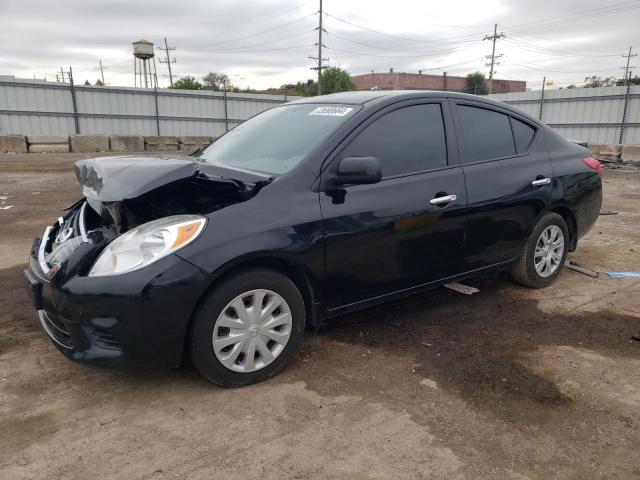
{"x":593,"y":163}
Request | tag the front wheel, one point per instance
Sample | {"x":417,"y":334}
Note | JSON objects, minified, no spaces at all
{"x":248,"y":329}
{"x":544,"y":254}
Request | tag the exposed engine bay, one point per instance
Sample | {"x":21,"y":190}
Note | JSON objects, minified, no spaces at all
{"x":125,"y":192}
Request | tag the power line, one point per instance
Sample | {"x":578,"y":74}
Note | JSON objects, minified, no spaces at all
{"x":469,"y":44}
{"x":362,"y":27}
{"x":552,"y":52}
{"x":417,"y":55}
{"x":262,"y":43}
{"x":168,"y":60}
{"x":255,"y":34}
{"x":574,"y":17}
{"x":492,"y":58}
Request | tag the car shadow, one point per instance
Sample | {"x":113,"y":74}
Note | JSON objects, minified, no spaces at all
{"x":483,"y":349}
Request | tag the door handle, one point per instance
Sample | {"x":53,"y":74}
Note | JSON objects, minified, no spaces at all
{"x":541,"y":182}
{"x":443,"y":200}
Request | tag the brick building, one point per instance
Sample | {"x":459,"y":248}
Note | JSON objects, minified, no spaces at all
{"x":419,"y":81}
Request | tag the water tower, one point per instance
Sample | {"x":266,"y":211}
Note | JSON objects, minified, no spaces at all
{"x":144,"y":65}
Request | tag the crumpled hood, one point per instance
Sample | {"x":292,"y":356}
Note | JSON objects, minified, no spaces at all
{"x":113,"y":179}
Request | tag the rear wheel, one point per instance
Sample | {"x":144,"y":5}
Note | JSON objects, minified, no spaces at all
{"x":248,"y":329}
{"x":544,"y":254}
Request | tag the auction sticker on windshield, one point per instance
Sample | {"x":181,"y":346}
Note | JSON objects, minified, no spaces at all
{"x":331,"y":111}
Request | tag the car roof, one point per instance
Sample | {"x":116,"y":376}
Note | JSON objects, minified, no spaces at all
{"x":369,"y":97}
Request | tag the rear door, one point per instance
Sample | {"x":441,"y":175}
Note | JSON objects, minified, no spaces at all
{"x":508,"y":177}
{"x":388,"y":236}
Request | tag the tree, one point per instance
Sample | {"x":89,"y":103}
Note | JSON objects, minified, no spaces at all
{"x":595,"y":82}
{"x":304,"y":89}
{"x":187,"y":83}
{"x":335,"y":80}
{"x":476,"y":84}
{"x":215,"y":81}
{"x":86,"y":82}
{"x":633,"y":81}
{"x":99,"y":83}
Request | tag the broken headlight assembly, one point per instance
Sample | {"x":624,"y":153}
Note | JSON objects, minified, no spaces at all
{"x":147,"y":243}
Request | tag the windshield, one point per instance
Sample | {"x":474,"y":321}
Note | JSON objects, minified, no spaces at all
{"x":277,"y":140}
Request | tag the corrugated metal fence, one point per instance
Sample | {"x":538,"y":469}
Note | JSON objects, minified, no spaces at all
{"x":32,"y":107}
{"x":591,"y":114}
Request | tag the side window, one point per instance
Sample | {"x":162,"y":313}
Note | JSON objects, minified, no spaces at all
{"x":487,"y":134}
{"x":523,"y":134}
{"x":407,"y":140}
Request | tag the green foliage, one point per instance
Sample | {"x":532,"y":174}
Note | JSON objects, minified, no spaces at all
{"x":595,"y":82}
{"x":86,"y":82}
{"x":216,"y":81}
{"x":99,"y":83}
{"x":634,"y":81}
{"x":187,"y":83}
{"x":304,"y":89}
{"x":335,"y":80}
{"x":475,"y":84}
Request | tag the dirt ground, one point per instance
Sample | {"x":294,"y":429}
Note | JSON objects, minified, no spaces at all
{"x":509,"y":383}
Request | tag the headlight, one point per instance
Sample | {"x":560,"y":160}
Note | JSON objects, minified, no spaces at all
{"x":147,"y":243}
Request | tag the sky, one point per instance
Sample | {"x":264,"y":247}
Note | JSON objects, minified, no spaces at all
{"x":262,"y":44}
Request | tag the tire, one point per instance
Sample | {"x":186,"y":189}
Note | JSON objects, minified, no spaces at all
{"x":524,"y":270}
{"x":239,"y":328}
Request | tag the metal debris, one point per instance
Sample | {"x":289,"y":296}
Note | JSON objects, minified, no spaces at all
{"x":571,"y":265}
{"x":623,"y":274}
{"x":459,"y":287}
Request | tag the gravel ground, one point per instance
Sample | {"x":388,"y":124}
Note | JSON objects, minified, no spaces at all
{"x":510,"y":383}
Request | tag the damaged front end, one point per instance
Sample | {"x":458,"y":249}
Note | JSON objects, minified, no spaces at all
{"x":122,"y":193}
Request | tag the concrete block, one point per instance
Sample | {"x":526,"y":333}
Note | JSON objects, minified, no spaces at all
{"x":48,"y":143}
{"x":49,"y":148}
{"x":631,"y":153}
{"x":47,"y":139}
{"x":606,"y":151}
{"x":89,"y":143}
{"x":126,"y":143}
{"x":13,"y":144}
{"x":193,"y":143}
{"x":161,"y":144}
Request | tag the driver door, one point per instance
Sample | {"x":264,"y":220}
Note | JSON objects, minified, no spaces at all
{"x":396,"y":234}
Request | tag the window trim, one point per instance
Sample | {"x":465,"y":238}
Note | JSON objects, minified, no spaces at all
{"x":533,"y":138}
{"x":497,"y":109}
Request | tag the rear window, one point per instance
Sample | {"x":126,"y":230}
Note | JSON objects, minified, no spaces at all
{"x":487,"y":134}
{"x":522,"y":134}
{"x":275,"y":141}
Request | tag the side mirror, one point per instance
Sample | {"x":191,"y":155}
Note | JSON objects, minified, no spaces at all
{"x":359,"y":170}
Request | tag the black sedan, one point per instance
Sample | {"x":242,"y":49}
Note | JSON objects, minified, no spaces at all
{"x":309,"y":210}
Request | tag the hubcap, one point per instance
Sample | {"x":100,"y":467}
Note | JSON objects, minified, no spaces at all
{"x":549,"y":250}
{"x":252,"y":330}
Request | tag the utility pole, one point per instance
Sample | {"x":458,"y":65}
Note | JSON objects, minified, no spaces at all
{"x":544,"y":82}
{"x":492,"y":57}
{"x":74,"y":101}
{"x":62,"y":74}
{"x":627,"y":77}
{"x":101,"y":68}
{"x":319,"y":59}
{"x":169,"y":60}
{"x":625,"y":108}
